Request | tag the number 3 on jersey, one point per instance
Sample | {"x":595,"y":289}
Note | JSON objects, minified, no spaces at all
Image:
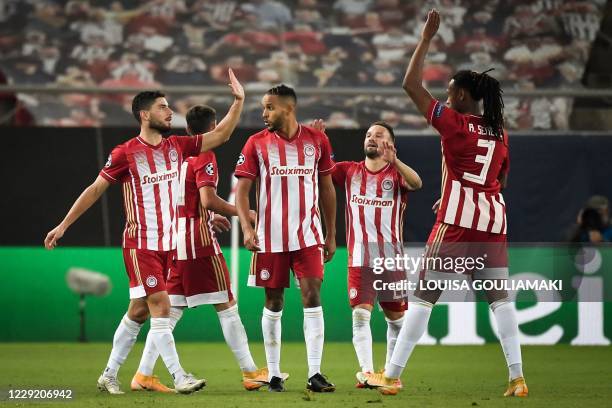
{"x":484,"y":160}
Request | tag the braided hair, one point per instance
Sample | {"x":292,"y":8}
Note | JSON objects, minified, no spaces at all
{"x":485,"y":87}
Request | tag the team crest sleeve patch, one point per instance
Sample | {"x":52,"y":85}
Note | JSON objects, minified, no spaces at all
{"x":438,"y":110}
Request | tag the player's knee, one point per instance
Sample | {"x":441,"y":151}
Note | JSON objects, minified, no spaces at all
{"x":365,"y":306}
{"x":496,"y":297}
{"x":393,"y":315}
{"x":159,"y":305}
{"x":275,"y":304}
{"x":275,"y":299}
{"x":139,"y":317}
{"x":138,"y":311}
{"x":494,"y":304}
{"x":311,"y":298}
{"x":427,"y":295}
{"x":224,"y":306}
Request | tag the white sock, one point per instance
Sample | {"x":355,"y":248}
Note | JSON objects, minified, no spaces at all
{"x":236,"y":337}
{"x":507,"y":329}
{"x":161,"y":335}
{"x":415,"y":324}
{"x":393,"y":329}
{"x":271,"y":329}
{"x":314,"y":334}
{"x":150,"y":353}
{"x":362,"y":338}
{"x":123,"y":341}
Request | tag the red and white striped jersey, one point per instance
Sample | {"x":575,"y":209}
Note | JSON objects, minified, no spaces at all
{"x":287,"y":173}
{"x":196,"y":237}
{"x":374,"y":215}
{"x":473,"y":160}
{"x":150,"y":179}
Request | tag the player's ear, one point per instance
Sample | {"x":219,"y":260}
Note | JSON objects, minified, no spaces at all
{"x":290,"y":107}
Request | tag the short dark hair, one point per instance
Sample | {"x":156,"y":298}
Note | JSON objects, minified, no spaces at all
{"x":143,"y":101}
{"x":200,"y":118}
{"x":283,"y":90}
{"x":386,"y":126}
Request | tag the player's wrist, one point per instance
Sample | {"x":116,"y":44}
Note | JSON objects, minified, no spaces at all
{"x":331,"y":236}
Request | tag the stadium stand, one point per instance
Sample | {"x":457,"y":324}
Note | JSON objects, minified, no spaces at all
{"x":304,"y":43}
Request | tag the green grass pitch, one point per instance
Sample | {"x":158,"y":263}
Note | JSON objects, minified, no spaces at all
{"x":438,"y":376}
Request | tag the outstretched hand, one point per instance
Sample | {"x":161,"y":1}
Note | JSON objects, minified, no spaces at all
{"x":431,"y":25}
{"x":388,"y":152}
{"x":318,"y":124}
{"x":235,"y":85}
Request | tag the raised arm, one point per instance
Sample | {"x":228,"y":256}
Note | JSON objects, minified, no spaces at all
{"x":243,"y":188}
{"x":327,"y":203}
{"x":412,"y":180}
{"x":413,"y":80}
{"x":224,"y":129}
{"x":87,"y":198}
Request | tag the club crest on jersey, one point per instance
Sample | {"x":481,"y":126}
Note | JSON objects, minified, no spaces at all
{"x":109,"y":161}
{"x":309,"y":150}
{"x":210,"y":169}
{"x":264,"y":274}
{"x":352,"y":293}
{"x":173,"y":155}
{"x":151,"y":281}
{"x":240,"y":159}
{"x":387,"y":184}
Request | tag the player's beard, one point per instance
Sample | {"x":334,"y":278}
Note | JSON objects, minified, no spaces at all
{"x":160,"y":126}
{"x":371,"y":153}
{"x":273,"y":126}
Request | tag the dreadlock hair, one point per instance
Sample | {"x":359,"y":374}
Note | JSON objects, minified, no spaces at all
{"x":482,"y":86}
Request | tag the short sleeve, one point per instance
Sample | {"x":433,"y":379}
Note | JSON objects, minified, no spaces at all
{"x":189,"y":145}
{"x":116,"y":166}
{"x":247,"y":164}
{"x":326,"y":161}
{"x":339,"y":173}
{"x":445,"y":120}
{"x":206,"y":172}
